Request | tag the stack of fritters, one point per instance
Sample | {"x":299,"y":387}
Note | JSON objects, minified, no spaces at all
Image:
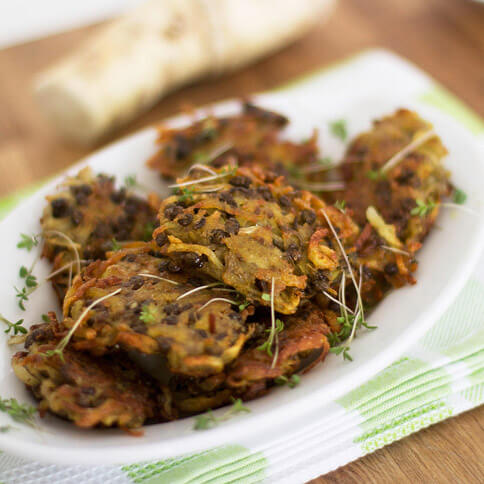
{"x":242,"y":281}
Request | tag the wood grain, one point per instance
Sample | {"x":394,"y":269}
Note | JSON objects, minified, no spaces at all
{"x":444,"y":37}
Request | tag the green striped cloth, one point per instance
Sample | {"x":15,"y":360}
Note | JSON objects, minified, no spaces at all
{"x":440,"y":377}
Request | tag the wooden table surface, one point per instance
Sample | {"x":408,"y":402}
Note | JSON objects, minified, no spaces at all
{"x":444,"y":37}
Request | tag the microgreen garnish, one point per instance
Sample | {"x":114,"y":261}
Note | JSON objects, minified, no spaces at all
{"x":340,"y":205}
{"x":375,"y":175}
{"x":358,"y":318}
{"x":31,"y":284}
{"x":71,"y":244}
{"x":276,"y":327}
{"x":267,"y":345}
{"x":152,"y":276}
{"x":322,"y":186}
{"x":20,"y":412}
{"x":397,"y":251}
{"x":202,"y":167}
{"x":65,"y":340}
{"x":148,"y":231}
{"x":221,"y":299}
{"x":337,"y":350}
{"x":208,"y":420}
{"x":423,"y":208}
{"x":338,"y":129}
{"x":225,"y":172}
{"x":28,"y":242}
{"x":149,"y":314}
{"x":186,"y":195}
{"x":243,"y":306}
{"x":15,"y":327}
{"x":115,"y":246}
{"x":292,"y":382}
{"x":45,"y":318}
{"x":459,"y":196}
{"x":202,"y":157}
{"x":196,"y":289}
{"x":130,"y":181}
{"x":399,"y":156}
{"x":266,"y":297}
{"x":63,"y":268}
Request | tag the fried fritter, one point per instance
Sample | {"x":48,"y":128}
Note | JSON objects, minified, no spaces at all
{"x":254,"y":229}
{"x":302,"y":344}
{"x":419,"y":176}
{"x":87,"y":390}
{"x":88,"y":214}
{"x":153,"y":313}
{"x":250,"y":138}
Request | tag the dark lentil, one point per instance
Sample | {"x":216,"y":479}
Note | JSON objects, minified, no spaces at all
{"x":172,"y":210}
{"x":60,"y":207}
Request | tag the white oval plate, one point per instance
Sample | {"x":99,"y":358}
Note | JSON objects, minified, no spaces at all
{"x":446,"y":261}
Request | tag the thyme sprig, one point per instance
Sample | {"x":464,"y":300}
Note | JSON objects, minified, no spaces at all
{"x":339,"y":129}
{"x":30,"y":284}
{"x":208,"y":420}
{"x":20,"y":412}
{"x":28,"y":242}
{"x":423,"y":208}
{"x":292,"y":382}
{"x":16,"y":327}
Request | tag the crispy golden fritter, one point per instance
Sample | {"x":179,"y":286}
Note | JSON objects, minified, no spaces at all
{"x":301,"y":344}
{"x":250,"y":138}
{"x":87,"y":390}
{"x":89,"y":213}
{"x":195,"y":335}
{"x":419,"y":176}
{"x":255,"y":228}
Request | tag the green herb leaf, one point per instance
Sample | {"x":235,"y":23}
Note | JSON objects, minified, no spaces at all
{"x":266,"y":346}
{"x":115,"y":246}
{"x":23,"y":413}
{"x":28,"y":242}
{"x":459,"y":196}
{"x":148,"y":231}
{"x":266,"y":297}
{"x":15,"y":327}
{"x":338,"y":129}
{"x":130,"y":181}
{"x":294,"y":381}
{"x":149,"y":314}
{"x":291,"y":382}
{"x":186,"y":194}
{"x":57,"y":352}
{"x":375,"y":175}
{"x":422,"y":208}
{"x":243,"y":306}
{"x":340,"y":205}
{"x":45,"y":318}
{"x":208,"y":420}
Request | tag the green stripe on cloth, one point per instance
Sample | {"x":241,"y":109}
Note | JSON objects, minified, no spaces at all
{"x":441,"y":98}
{"x":231,"y":463}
